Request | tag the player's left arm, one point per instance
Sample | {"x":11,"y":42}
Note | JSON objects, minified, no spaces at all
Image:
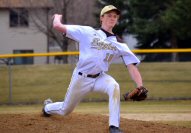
{"x":135,"y":74}
{"x":140,"y":92}
{"x":131,"y":61}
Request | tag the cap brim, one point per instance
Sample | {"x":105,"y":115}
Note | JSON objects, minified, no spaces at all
{"x":109,"y":9}
{"x":116,"y":10}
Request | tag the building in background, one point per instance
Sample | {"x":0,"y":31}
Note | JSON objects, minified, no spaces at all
{"x":18,"y":33}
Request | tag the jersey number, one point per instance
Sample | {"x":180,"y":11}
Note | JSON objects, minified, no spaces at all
{"x":108,"y":57}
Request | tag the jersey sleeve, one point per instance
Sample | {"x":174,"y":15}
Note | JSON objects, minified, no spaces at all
{"x":130,"y":59}
{"x":76,"y":32}
{"x":128,"y":56}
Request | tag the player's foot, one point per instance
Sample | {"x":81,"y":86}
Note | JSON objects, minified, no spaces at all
{"x":47,"y":101}
{"x":113,"y":129}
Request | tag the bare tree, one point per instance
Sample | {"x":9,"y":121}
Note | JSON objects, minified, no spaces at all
{"x":73,"y":11}
{"x":44,"y":24}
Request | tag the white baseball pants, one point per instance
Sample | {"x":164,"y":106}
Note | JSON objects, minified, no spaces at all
{"x":80,"y":86}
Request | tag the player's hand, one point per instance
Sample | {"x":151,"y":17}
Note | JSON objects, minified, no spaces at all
{"x":57,"y":23}
{"x":56,"y":18}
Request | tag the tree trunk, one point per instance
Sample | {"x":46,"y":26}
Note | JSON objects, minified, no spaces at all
{"x":64,"y":20}
{"x":64,"y":49}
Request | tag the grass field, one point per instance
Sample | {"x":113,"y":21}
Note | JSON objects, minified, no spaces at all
{"x":179,"y":106}
{"x":34,"y":83}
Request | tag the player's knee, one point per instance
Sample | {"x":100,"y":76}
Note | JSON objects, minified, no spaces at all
{"x":115,"y":89}
{"x":115,"y":86}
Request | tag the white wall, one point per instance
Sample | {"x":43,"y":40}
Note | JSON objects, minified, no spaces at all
{"x":17,"y":38}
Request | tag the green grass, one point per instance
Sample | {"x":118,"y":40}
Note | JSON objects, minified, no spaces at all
{"x":180,"y":106}
{"x":34,"y":83}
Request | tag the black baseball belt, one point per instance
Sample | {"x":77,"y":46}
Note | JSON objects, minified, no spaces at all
{"x":89,"y":75}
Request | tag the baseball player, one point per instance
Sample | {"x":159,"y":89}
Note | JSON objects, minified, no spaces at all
{"x":98,"y":49}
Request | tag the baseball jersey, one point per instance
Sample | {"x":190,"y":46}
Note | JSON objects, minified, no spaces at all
{"x":97,"y":51}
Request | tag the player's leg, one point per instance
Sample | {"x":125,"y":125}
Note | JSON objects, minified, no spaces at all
{"x":106,"y":84}
{"x":78,"y":88}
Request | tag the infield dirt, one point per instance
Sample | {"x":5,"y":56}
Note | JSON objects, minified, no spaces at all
{"x":78,"y":123}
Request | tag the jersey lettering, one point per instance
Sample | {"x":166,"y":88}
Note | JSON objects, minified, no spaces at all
{"x":101,"y":45}
{"x":108,"y":57}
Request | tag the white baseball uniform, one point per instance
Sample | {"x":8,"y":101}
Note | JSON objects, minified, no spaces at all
{"x":97,"y":51}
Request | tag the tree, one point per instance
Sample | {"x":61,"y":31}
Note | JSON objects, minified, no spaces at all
{"x":177,"y":19}
{"x":44,"y":25}
{"x":160,"y":24}
{"x":147,"y":25}
{"x":73,"y":11}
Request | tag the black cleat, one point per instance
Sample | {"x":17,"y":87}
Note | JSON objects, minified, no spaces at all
{"x":45,"y":114}
{"x":113,"y":129}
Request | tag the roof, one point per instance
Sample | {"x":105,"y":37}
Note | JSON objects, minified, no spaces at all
{"x":25,"y":3}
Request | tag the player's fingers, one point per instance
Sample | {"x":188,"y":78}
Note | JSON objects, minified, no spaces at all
{"x":56,"y":16}
{"x":60,"y":17}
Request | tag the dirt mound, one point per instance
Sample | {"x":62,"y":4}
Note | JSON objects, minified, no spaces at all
{"x":77,"y":123}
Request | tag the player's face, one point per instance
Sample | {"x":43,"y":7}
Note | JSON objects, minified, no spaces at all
{"x":109,"y":19}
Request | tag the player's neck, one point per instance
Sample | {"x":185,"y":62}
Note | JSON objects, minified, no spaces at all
{"x":107,"y":33}
{"x":108,"y":29}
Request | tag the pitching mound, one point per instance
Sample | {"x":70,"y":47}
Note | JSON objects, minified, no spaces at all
{"x":77,"y":123}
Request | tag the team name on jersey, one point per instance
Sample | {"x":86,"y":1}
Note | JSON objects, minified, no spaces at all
{"x":101,"y":45}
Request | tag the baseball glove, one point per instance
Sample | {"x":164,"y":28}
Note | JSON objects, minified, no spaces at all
{"x":137,"y":94}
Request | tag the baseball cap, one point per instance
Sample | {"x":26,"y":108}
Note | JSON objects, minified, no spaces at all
{"x":109,"y":8}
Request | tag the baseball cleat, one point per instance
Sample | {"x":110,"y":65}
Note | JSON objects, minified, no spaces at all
{"x":47,"y":101}
{"x":113,"y":129}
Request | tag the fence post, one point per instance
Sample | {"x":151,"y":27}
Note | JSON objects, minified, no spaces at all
{"x":10,"y":79}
